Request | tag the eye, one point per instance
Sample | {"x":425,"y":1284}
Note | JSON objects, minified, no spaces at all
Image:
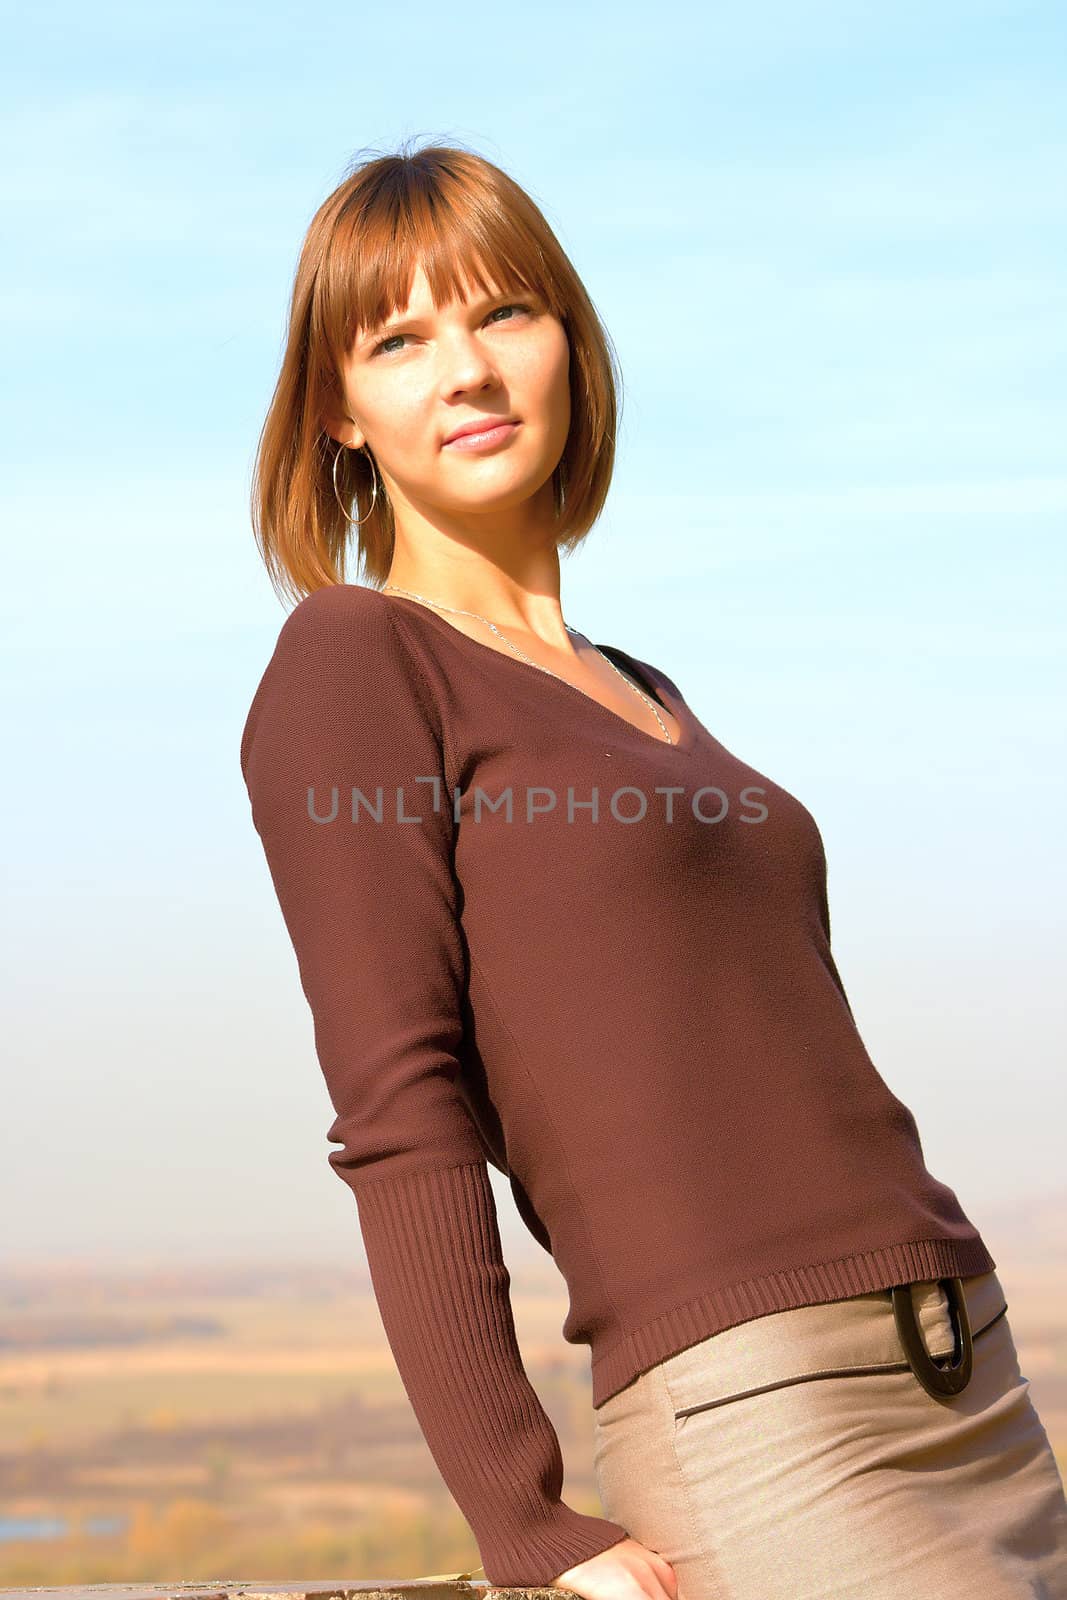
{"x":383,"y":342}
{"x":510,"y":306}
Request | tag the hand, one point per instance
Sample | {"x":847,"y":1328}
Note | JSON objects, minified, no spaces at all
{"x":621,"y":1572}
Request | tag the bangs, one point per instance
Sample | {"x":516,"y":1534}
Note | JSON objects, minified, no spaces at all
{"x":463,"y":243}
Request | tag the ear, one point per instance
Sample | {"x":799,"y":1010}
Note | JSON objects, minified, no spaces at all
{"x":343,"y":429}
{"x":335,"y":418}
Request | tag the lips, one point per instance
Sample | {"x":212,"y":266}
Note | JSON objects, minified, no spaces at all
{"x":479,"y":425}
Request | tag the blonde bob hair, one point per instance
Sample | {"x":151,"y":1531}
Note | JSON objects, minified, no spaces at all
{"x":461,"y":217}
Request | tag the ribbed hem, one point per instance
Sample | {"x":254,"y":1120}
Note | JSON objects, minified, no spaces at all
{"x":685,"y":1325}
{"x":442,"y":1287}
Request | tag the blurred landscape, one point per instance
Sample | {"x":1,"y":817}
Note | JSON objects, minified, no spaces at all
{"x":192,"y":1423}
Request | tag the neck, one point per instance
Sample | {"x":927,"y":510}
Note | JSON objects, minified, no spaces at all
{"x":534,"y":610}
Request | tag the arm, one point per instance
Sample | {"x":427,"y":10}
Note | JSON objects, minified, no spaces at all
{"x":371,"y":909}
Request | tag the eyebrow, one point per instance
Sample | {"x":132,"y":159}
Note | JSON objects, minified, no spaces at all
{"x":395,"y":324}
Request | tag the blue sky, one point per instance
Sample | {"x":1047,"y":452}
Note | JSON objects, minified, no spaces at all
{"x":828,"y":242}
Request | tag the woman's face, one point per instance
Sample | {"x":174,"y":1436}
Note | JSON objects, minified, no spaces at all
{"x":412,"y":382}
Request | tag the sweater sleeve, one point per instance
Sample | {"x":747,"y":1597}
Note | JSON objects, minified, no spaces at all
{"x":371,"y":907}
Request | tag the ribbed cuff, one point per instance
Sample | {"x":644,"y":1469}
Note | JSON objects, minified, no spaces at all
{"x":442,"y":1286}
{"x":535,"y":1557}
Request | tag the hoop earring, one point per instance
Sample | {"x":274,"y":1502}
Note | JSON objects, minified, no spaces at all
{"x":337,"y":495}
{"x":561,"y":497}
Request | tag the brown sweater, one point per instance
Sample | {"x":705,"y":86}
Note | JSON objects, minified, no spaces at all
{"x":601,"y":961}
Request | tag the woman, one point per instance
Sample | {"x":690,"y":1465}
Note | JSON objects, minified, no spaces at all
{"x":544,"y":919}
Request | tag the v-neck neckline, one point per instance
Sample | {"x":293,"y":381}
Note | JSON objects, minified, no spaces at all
{"x":668,"y":701}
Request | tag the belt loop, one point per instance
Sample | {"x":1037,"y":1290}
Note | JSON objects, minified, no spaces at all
{"x":937,"y":1381}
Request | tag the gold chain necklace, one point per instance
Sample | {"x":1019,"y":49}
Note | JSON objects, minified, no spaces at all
{"x":459,"y":612}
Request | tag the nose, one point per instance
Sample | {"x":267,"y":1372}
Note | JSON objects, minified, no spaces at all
{"x":465,"y":365}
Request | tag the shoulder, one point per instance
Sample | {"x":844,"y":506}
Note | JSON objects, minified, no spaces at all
{"x":339,"y":658}
{"x":647,"y":670}
{"x":340,"y":619}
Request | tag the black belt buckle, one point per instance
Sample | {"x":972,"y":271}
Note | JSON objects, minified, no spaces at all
{"x":938,"y":1381}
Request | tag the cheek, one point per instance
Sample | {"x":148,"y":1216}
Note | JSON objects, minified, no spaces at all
{"x":558,"y":351}
{"x":396,"y":418}
{"x":544,"y":367}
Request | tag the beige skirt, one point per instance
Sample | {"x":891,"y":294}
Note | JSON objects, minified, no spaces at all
{"x":797,"y":1456}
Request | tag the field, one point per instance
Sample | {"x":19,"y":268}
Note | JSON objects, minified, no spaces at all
{"x":228,"y":1422}
{"x":177,"y":1425}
